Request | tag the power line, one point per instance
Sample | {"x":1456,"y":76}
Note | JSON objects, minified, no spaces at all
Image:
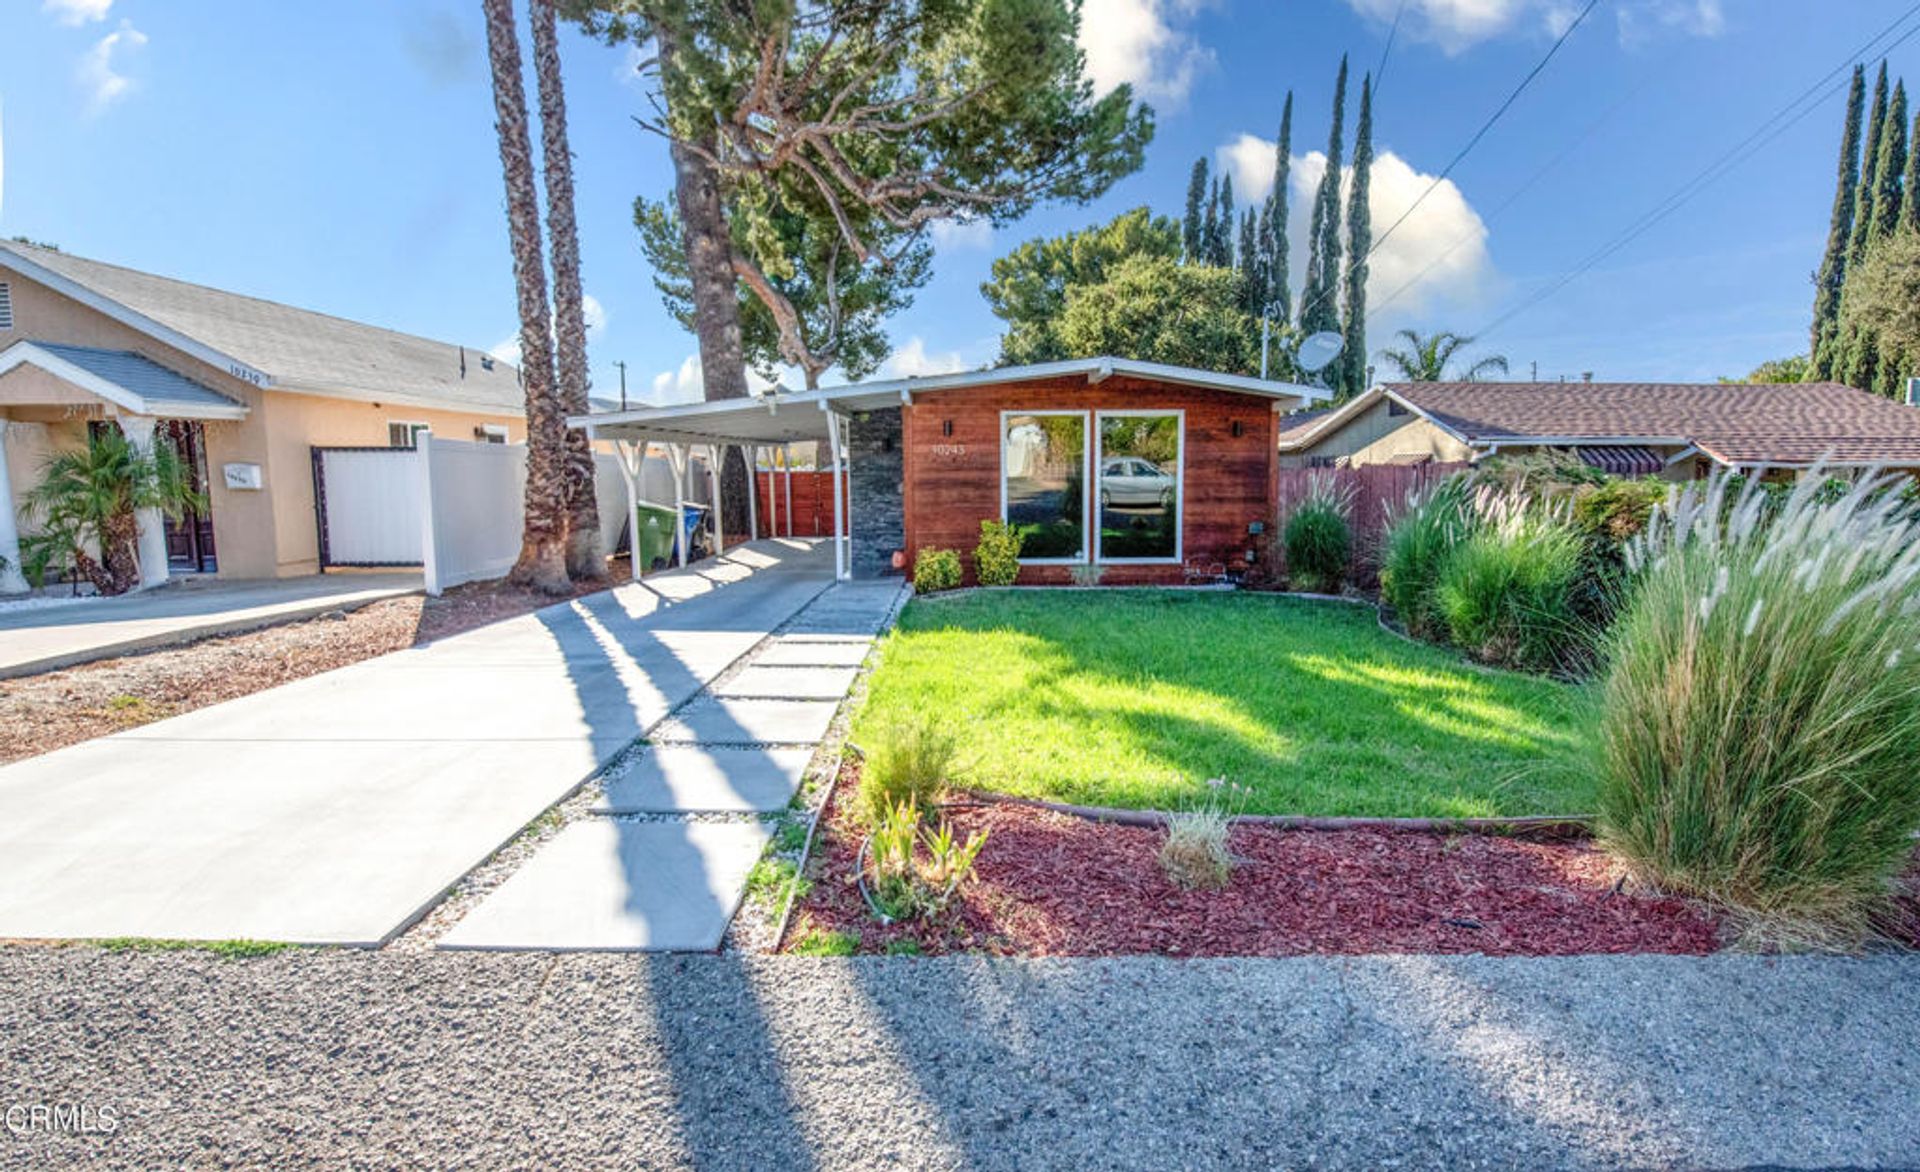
{"x":1803,"y":104}
{"x":1380,"y":71}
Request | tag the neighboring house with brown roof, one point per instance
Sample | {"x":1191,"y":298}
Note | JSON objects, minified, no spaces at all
{"x":242,"y":388}
{"x":1678,"y":430}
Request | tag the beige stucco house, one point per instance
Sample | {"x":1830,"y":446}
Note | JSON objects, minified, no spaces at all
{"x":243,"y":388}
{"x":1674,"y":430}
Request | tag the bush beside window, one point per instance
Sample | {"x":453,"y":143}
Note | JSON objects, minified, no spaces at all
{"x":996,"y":560}
{"x":935,"y":569}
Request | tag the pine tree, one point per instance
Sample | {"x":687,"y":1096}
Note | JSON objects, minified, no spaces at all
{"x":1277,"y":300}
{"x":1223,"y":237}
{"x":1192,"y":226}
{"x":1865,"y":194}
{"x":1833,"y":265}
{"x":1319,"y":296}
{"x":1890,"y":169}
{"x":1353,"y":360}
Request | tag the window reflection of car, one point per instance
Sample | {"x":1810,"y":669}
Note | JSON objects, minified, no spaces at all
{"x":1130,"y":481}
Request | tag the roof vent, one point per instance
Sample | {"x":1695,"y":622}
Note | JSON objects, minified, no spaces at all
{"x":486,"y":362}
{"x":6,"y":306}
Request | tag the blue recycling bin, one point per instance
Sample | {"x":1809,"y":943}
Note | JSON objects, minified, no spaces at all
{"x":696,"y":516}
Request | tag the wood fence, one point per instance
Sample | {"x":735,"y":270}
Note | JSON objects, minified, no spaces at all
{"x":1379,"y":491}
{"x":812,"y":503}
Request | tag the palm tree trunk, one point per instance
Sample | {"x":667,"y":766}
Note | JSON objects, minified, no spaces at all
{"x":586,"y":561}
{"x":542,"y":562}
{"x":716,"y":306}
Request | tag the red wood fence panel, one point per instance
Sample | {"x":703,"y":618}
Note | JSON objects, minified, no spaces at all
{"x":812,"y":503}
{"x":1379,"y":490}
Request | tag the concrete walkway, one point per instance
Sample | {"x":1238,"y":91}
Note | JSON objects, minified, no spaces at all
{"x":668,"y":881}
{"x":716,"y":1063}
{"x":337,"y":808}
{"x":45,"y":638}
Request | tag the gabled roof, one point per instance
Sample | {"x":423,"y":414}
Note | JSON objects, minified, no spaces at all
{"x":124,"y":379}
{"x":795,"y":417}
{"x":1742,"y":424}
{"x":273,"y":345}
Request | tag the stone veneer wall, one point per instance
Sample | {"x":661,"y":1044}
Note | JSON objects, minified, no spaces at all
{"x":874,"y":475}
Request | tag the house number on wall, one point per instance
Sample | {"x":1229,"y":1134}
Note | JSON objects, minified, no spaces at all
{"x":949,"y":451}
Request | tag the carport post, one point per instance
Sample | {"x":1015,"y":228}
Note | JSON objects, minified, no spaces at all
{"x":677,"y":457}
{"x":786,"y":461}
{"x":715,"y":454}
{"x":839,"y":502}
{"x":752,"y":452}
{"x":629,"y":472}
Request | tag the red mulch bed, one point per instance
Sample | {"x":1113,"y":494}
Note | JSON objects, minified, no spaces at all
{"x":1055,"y":885}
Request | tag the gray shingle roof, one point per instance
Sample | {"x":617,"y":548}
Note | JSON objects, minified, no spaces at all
{"x":156,"y":384}
{"x":1739,"y":423}
{"x":299,"y":349}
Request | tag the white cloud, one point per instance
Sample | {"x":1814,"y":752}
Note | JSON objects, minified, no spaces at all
{"x":508,"y":349}
{"x":1444,"y":232}
{"x":1132,"y":41}
{"x":961,"y":235}
{"x":680,"y":386}
{"x":913,"y":361}
{"x":97,"y":73}
{"x":74,"y":13}
{"x":1459,"y":25}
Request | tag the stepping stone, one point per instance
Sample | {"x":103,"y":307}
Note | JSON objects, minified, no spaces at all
{"x":811,"y":653}
{"x":736,"y":722}
{"x":688,"y":778}
{"x":789,"y":683}
{"x":620,"y":886}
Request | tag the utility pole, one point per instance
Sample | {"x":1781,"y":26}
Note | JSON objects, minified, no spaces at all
{"x":1534,"y":366}
{"x":623,"y":384}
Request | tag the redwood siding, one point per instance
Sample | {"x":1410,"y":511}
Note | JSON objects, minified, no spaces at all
{"x":953,"y":481}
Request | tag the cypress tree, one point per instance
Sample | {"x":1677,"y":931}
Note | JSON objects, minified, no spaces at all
{"x":1192,"y":226}
{"x":1319,"y":297}
{"x":1249,"y":260}
{"x":1277,"y":296}
{"x":1210,"y":228}
{"x":1910,"y":205}
{"x":1223,"y":243}
{"x":1890,"y":169}
{"x":1833,"y":264}
{"x":1353,"y":360}
{"x":1869,"y":173}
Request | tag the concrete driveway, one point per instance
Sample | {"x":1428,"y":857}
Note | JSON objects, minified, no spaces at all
{"x":46,"y":638}
{"x":337,"y":808}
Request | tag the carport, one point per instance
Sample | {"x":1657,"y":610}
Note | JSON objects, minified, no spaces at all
{"x":757,"y":425}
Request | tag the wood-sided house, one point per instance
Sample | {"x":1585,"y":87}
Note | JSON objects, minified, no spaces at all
{"x":1147,"y":472}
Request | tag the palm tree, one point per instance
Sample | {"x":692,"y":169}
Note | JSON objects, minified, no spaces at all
{"x":1425,"y":359}
{"x":585,"y":559}
{"x":86,"y":506}
{"x":542,"y":563}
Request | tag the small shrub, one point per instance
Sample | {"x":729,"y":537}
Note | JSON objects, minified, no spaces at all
{"x":1087,"y":573}
{"x":1758,"y":730}
{"x":1617,"y":510}
{"x":1318,"y":538}
{"x":771,"y":879}
{"x":1506,"y":592}
{"x":818,"y":943}
{"x":996,"y":560}
{"x":1195,"y":853}
{"x":934,"y":570}
{"x":910,"y":761}
{"x":915,"y":871}
{"x":1417,"y":543}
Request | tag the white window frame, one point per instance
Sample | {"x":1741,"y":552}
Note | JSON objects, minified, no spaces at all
{"x":1088,"y":539}
{"x":414,"y":428}
{"x":1179,"y":484}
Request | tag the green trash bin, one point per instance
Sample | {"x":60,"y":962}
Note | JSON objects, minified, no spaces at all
{"x":653,"y":530}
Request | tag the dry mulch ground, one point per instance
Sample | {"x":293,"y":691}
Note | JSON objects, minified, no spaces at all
{"x":1055,"y":885}
{"x":41,"y":713}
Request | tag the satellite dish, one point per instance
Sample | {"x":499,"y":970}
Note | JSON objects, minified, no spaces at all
{"x":1318,"y":350}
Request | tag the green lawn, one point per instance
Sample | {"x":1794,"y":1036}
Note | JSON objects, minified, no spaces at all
{"x":1135,"y":697}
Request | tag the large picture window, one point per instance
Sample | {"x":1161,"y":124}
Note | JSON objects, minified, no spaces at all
{"x":1138,"y":473}
{"x":1043,"y":463}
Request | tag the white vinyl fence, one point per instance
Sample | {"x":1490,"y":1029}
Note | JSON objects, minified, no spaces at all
{"x":452,"y":507}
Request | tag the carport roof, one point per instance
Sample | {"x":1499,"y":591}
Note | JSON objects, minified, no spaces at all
{"x":801,"y":416}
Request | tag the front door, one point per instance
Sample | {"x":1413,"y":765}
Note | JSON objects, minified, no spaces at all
{"x":189,"y":539}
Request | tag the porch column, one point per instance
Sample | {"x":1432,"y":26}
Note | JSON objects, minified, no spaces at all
{"x":752,"y":452}
{"x":153,"y":537}
{"x":12,"y":581}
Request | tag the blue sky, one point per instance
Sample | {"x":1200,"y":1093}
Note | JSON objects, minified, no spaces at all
{"x":341,"y":156}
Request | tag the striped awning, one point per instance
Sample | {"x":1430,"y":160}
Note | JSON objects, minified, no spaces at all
{"x":1622,"y":460}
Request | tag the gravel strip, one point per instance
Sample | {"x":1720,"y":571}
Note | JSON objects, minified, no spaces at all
{"x":379,"y":1060}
